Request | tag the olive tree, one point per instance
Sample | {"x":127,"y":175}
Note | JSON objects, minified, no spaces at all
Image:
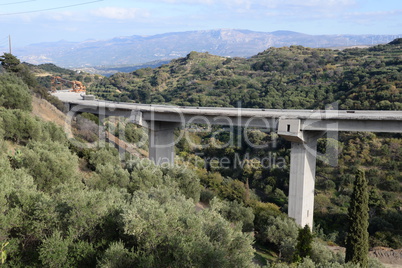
{"x":14,"y":93}
{"x":50,"y":163}
{"x":164,"y":230}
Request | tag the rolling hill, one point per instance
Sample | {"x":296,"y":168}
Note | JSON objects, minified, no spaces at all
{"x":133,"y":50}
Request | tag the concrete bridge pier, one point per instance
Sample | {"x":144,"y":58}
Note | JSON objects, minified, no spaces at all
{"x":67,"y":107}
{"x":161,"y":142}
{"x":302,"y":181}
{"x":302,"y":170}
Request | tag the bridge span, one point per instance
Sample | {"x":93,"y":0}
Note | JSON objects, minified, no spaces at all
{"x":301,"y":127}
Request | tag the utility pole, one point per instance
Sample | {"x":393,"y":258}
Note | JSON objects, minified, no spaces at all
{"x":9,"y":43}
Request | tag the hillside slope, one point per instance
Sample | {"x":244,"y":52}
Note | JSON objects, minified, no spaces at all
{"x":48,"y":112}
{"x":289,"y":77}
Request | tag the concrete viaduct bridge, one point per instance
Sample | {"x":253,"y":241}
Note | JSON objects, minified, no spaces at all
{"x":301,"y":127}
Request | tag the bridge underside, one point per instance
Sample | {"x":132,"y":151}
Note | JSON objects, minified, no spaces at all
{"x":302,"y":162}
{"x":302,"y":133}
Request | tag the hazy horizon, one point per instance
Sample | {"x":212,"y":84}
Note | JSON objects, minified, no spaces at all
{"x":36,"y":21}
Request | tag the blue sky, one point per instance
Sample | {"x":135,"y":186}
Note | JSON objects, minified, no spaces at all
{"x":34,"y":21}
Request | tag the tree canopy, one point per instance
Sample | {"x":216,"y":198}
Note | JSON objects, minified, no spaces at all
{"x":14,"y":93}
{"x":357,"y":240}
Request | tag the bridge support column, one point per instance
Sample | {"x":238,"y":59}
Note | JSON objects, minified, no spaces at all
{"x":302,"y":182}
{"x":161,"y":142}
{"x":67,"y":107}
{"x":302,"y":170}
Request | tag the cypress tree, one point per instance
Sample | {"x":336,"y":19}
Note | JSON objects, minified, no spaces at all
{"x":357,"y":238}
{"x":304,"y":244}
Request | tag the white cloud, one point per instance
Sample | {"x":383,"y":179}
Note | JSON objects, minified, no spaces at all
{"x":61,"y":16}
{"x":118,"y":13}
{"x":267,"y":3}
{"x":321,"y":3}
{"x":374,"y":13}
{"x":372,"y":17}
{"x":306,"y":6}
{"x":302,"y":9}
{"x":208,"y":2}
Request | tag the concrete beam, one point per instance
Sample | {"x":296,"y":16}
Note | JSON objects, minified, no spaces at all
{"x":161,"y":142}
{"x":290,"y":129}
{"x":239,"y":120}
{"x":386,"y":126}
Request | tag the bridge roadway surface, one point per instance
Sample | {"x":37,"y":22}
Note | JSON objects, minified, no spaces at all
{"x":301,"y":127}
{"x":381,"y":121}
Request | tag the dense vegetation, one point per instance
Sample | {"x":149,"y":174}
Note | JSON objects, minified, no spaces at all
{"x":12,"y":65}
{"x":67,"y":206}
{"x":289,"y":77}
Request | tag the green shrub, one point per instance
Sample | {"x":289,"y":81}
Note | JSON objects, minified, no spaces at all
{"x":54,"y":252}
{"x":167,"y":231}
{"x":22,"y":127}
{"x":14,"y":93}
{"x":187,"y":181}
{"x":49,"y":163}
{"x":235,"y":212}
{"x":206,"y":195}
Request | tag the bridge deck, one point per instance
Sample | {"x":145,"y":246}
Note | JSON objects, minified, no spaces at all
{"x":365,"y":115}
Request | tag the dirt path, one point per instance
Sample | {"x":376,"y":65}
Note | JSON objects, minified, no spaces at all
{"x":390,"y":258}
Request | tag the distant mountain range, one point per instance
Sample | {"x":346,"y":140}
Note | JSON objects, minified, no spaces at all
{"x":134,"y":50}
